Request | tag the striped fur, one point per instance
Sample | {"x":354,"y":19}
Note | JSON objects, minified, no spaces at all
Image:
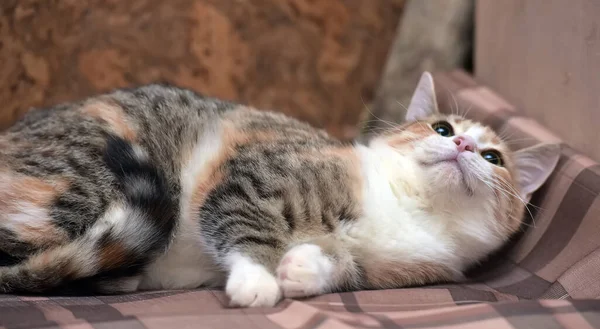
{"x":160,"y":188}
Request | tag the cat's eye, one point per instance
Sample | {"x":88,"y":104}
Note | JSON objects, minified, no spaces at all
{"x":493,"y":157}
{"x":443,"y":128}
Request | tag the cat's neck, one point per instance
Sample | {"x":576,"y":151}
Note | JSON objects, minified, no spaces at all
{"x":397,"y":178}
{"x":390,"y":180}
{"x":394,"y":197}
{"x":394,"y":177}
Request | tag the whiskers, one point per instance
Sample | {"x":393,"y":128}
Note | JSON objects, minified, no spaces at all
{"x":500,"y":187}
{"x":503,"y":183}
{"x":455,"y":108}
{"x":388,"y":126}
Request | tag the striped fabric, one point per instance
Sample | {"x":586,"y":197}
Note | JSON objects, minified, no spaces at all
{"x":548,"y":277}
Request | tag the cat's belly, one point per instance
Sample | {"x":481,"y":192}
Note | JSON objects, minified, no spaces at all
{"x":184,"y":266}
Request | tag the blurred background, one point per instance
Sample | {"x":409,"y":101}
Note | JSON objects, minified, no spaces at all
{"x":336,"y":64}
{"x":318,"y":60}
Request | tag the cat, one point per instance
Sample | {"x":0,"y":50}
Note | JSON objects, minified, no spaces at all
{"x":157,"y":187}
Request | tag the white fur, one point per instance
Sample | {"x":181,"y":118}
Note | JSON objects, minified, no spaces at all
{"x":186,"y":263}
{"x":208,"y":147}
{"x":409,"y":216}
{"x":127,"y":225}
{"x":304,"y":271}
{"x":183,"y":266}
{"x":27,"y":215}
{"x":477,"y":132}
{"x":250,"y":284}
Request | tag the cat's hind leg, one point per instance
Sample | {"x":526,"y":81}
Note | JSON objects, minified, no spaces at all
{"x":26,"y":224}
{"x":111,"y":254}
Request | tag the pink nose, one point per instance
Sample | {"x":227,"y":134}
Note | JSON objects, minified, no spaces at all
{"x":464,"y":143}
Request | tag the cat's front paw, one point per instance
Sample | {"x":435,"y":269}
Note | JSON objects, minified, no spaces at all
{"x":251,"y":285}
{"x":304,"y":271}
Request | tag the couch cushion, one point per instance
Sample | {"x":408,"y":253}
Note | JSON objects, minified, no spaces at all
{"x":402,"y":308}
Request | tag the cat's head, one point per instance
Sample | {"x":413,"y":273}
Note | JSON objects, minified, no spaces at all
{"x":467,"y":162}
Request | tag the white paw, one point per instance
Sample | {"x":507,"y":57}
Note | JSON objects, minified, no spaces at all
{"x":304,"y":271}
{"x":250,"y":284}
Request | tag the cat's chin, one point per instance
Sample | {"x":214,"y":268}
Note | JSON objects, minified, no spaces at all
{"x":449,"y":176}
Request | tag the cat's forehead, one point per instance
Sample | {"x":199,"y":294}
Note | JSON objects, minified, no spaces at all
{"x":482,"y":134}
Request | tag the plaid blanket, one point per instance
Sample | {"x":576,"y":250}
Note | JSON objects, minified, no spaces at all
{"x":548,"y":277}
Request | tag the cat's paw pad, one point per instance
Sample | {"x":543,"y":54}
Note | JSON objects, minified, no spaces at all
{"x":304,"y":271}
{"x":251,"y":285}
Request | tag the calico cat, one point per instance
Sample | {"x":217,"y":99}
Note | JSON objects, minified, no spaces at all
{"x":159,"y":188}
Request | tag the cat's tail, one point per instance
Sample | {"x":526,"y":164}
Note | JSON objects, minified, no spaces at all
{"x":110,"y":256}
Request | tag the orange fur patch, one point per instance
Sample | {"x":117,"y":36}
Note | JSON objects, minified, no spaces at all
{"x":409,"y":133}
{"x":19,"y":193}
{"x":40,"y":261}
{"x":113,"y":115}
{"x":112,"y":255}
{"x":489,"y":137}
{"x":380,"y":274}
{"x":205,"y":183}
{"x":510,"y":201}
{"x":211,"y":175}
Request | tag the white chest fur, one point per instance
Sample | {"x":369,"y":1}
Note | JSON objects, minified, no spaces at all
{"x":401,"y":221}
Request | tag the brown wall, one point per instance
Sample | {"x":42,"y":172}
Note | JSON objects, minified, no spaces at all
{"x":544,"y":56}
{"x":316,"y":60}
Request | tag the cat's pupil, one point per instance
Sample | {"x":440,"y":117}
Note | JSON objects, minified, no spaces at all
{"x":492,"y":157}
{"x":443,"y":129}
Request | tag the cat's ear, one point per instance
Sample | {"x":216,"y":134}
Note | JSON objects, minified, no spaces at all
{"x":423,"y":102}
{"x":534,"y":165}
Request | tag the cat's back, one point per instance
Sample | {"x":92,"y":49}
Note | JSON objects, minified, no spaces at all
{"x":148,"y":115}
{"x":55,"y":182}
